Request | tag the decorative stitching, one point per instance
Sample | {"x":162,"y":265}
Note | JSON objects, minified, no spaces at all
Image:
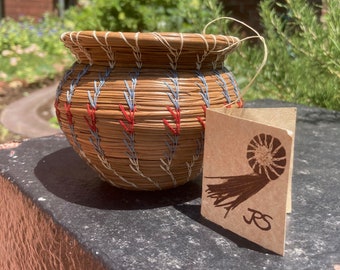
{"x":128,"y":126}
{"x":195,"y":157}
{"x":204,"y":92}
{"x":176,"y":115}
{"x":233,"y":82}
{"x":92,"y":121}
{"x":75,"y":52}
{"x":107,"y":165}
{"x":174,"y":98}
{"x":130,"y":119}
{"x":205,"y":52}
{"x":200,"y":119}
{"x":67,"y":74}
{"x":174,"y":131}
{"x":223,"y":84}
{"x":107,"y":49}
{"x":174,"y":53}
{"x":129,"y":96}
{"x":204,"y":89}
{"x":135,"y":49}
{"x":82,"y":49}
{"x":68,"y":103}
{"x":174,"y":91}
{"x":68,"y":113}
{"x":236,"y":89}
{"x":169,"y":155}
{"x":59,"y":92}
{"x":97,"y":87}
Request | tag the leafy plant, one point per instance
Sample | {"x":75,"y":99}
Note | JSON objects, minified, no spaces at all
{"x":303,"y":62}
{"x":304,"y":53}
{"x":31,"y":51}
{"x":144,"y":15}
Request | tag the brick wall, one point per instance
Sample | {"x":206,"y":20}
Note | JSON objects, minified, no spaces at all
{"x":35,"y":8}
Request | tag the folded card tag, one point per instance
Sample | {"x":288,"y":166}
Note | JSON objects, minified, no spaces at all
{"x":247,"y":170}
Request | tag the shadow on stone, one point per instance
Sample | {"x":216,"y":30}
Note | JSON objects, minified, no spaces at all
{"x":67,"y":176}
{"x":194,"y":212}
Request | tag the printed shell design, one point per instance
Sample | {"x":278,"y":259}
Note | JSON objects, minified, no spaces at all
{"x":266,"y":156}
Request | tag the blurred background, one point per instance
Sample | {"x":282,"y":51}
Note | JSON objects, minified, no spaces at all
{"x":303,"y":39}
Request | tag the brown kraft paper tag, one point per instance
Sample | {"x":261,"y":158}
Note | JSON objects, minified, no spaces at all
{"x":247,"y":171}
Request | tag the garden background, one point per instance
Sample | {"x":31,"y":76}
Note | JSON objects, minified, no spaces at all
{"x":303,"y":42}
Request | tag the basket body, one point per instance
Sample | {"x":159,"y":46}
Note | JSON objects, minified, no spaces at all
{"x":133,"y":105}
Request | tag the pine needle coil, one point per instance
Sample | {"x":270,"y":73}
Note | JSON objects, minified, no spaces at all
{"x":133,"y":104}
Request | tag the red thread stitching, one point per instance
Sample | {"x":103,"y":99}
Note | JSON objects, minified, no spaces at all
{"x":130,"y":118}
{"x":91,"y":112}
{"x":239,"y":104}
{"x":202,"y":122}
{"x":68,"y":113}
{"x":204,"y":107}
{"x":176,"y":115}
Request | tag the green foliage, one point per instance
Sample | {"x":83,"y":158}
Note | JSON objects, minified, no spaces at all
{"x":304,"y":54}
{"x":31,"y":51}
{"x":144,"y":15}
{"x":303,"y":62}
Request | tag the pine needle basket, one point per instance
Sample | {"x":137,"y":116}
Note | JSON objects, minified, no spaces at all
{"x":133,"y":104}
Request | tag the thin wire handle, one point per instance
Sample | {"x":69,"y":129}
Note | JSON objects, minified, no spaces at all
{"x":257,"y":35}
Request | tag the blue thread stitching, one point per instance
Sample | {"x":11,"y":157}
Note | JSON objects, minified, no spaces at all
{"x":69,"y":95}
{"x":129,"y":140}
{"x":199,"y":148}
{"x":233,"y":81}
{"x":75,"y":82}
{"x":63,"y":81}
{"x":174,"y":91}
{"x":130,"y":144}
{"x":97,"y":87}
{"x":93,"y":103}
{"x":172,"y":141}
{"x":96,"y":143}
{"x":74,"y":137}
{"x":171,"y":147}
{"x":130,"y":94}
{"x":204,"y":90}
{"x":82,"y":73}
{"x":222,"y":83}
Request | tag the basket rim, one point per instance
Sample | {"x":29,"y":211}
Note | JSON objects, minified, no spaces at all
{"x":90,"y":38}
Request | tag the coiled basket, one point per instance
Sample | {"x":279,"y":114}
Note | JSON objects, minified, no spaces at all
{"x":133,"y":105}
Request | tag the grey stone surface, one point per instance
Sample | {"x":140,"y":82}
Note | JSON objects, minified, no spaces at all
{"x":164,"y":230}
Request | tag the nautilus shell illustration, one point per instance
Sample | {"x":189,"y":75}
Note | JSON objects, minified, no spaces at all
{"x":267,"y":158}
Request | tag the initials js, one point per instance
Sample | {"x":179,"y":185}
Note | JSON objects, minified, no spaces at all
{"x":259,"y":219}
